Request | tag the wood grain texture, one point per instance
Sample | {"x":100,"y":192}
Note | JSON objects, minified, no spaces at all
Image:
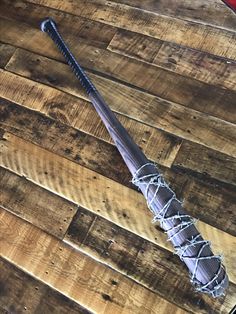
{"x":179,"y":59}
{"x":38,"y":206}
{"x":213,"y":163}
{"x":83,"y":187}
{"x":170,"y":117}
{"x":6,"y":51}
{"x":139,"y":259}
{"x":184,"y":90}
{"x":83,"y":280}
{"x":211,"y":12}
{"x":27,"y":14}
{"x":145,"y":262}
{"x":79,"y":113}
{"x":102,"y":158}
{"x":22,"y":293}
{"x":205,"y":37}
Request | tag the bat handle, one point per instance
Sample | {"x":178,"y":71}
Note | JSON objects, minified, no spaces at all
{"x":48,"y":26}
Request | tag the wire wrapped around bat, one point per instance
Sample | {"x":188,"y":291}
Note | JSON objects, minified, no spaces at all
{"x":183,"y":221}
{"x":207,"y":272}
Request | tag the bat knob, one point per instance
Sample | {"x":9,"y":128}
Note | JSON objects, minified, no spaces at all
{"x":47,"y":23}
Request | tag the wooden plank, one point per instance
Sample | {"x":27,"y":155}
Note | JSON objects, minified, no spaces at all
{"x":6,"y":51}
{"x":211,"y":202}
{"x":20,"y":293}
{"x":97,"y":34}
{"x":194,"y":35}
{"x":205,"y":197}
{"x":188,"y":92}
{"x":101,"y":195}
{"x":170,"y":117}
{"x":38,"y":206}
{"x":155,"y":268}
{"x":81,"y":114}
{"x":193,"y":125}
{"x":209,"y":162}
{"x":196,"y":64}
{"x":75,"y":275}
{"x":211,"y":12}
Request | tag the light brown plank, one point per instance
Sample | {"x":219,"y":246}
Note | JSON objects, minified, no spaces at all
{"x":170,"y":117}
{"x":38,"y":206}
{"x":194,"y":35}
{"x":213,"y":12}
{"x":206,"y":98}
{"x":21,"y":293}
{"x":196,"y":64}
{"x":98,"y":194}
{"x":75,"y":275}
{"x":6,"y":51}
{"x":155,"y":268}
{"x":97,"y":34}
{"x":205,"y":197}
{"x":209,"y":162}
{"x":159,"y":146}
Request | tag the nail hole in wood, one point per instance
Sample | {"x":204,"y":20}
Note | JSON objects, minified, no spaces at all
{"x":106,"y":297}
{"x":114,"y":283}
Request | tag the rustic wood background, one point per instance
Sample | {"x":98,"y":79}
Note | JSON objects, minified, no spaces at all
{"x":75,"y":235}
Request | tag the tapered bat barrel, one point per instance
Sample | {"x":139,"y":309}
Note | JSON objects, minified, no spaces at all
{"x":206,"y":270}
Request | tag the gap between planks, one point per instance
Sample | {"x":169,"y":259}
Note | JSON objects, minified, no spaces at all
{"x":191,"y":34}
{"x":151,"y":266}
{"x":158,"y":113}
{"x":22,"y":292}
{"x":102,"y":196}
{"x":103,"y":158}
{"x":205,"y":98}
{"x":74,"y":274}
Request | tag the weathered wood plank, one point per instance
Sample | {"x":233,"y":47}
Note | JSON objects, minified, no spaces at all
{"x":97,"y":34}
{"x":196,"y":64}
{"x":155,"y":268}
{"x":75,"y":275}
{"x":6,"y":51}
{"x":170,"y":117}
{"x":209,"y":162}
{"x":21,"y":293}
{"x":211,"y":12}
{"x":205,"y":37}
{"x":188,"y":92}
{"x":205,"y":198}
{"x":143,"y":261}
{"x":101,"y":195}
{"x":80,"y":113}
{"x":38,"y":206}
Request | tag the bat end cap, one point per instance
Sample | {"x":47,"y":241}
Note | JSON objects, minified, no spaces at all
{"x":46,"y":22}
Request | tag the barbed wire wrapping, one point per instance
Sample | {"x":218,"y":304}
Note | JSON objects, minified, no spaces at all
{"x":193,"y":250}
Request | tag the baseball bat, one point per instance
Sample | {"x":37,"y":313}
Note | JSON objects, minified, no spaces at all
{"x":206,"y":270}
